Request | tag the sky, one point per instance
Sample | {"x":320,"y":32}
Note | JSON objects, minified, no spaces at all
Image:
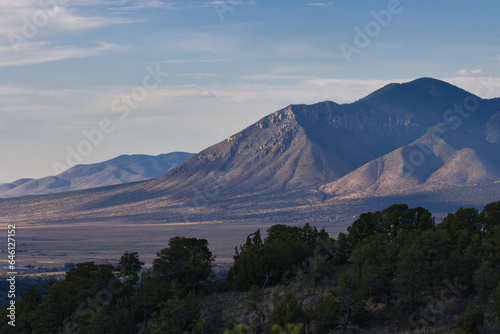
{"x":83,"y":81}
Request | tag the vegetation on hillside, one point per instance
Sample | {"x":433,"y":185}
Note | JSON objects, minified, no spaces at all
{"x":393,"y":271}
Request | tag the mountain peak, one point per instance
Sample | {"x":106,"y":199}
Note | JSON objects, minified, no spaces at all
{"x":418,"y":89}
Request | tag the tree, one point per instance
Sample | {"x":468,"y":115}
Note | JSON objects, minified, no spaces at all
{"x":287,"y":309}
{"x":462,"y":226}
{"x":130,"y":265}
{"x":373,"y":268}
{"x":249,"y":264}
{"x":421,"y":263}
{"x":411,"y":273}
{"x":63,"y":298}
{"x":471,"y":321}
{"x":363,"y":227}
{"x":391,"y":222}
{"x":177,"y":315}
{"x":26,"y":307}
{"x":490,"y":216}
{"x":280,"y":256}
{"x":186,"y":262}
{"x":485,"y":279}
{"x":341,"y":309}
{"x":495,"y":296}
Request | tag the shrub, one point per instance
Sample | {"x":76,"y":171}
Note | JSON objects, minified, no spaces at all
{"x":471,"y":321}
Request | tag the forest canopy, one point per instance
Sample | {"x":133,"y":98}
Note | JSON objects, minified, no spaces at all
{"x":394,"y":264}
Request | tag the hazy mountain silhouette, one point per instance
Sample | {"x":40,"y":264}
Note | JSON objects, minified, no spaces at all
{"x":123,"y":169}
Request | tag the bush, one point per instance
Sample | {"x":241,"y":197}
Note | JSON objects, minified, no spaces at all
{"x":495,"y":296}
{"x":341,"y":310}
{"x":278,"y":258}
{"x":176,"y":316}
{"x":471,"y":321}
{"x":287,"y":309}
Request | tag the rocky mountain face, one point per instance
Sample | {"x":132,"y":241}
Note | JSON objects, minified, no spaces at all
{"x":123,"y":169}
{"x":304,"y":161}
{"x":355,"y":148}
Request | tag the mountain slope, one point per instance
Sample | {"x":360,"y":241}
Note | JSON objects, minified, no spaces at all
{"x":466,"y":156}
{"x":123,"y":169}
{"x":295,"y":163}
{"x":310,"y":145}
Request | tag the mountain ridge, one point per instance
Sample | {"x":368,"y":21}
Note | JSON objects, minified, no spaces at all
{"x":288,"y":164}
{"x":121,"y":169}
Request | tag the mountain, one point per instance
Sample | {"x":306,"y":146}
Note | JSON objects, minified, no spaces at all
{"x":315,"y":163}
{"x":463,"y":158}
{"x":304,"y":146}
{"x":123,"y":169}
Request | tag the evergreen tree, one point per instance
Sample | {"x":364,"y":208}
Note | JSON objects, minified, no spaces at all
{"x":187,"y":262}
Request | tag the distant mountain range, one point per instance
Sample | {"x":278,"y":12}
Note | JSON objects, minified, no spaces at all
{"x":123,"y":169}
{"x":424,"y":140}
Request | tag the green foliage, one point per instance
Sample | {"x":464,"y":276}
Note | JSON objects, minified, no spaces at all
{"x":373,"y":267}
{"x":485,"y":279}
{"x":130,"y":265}
{"x":342,"y":309}
{"x":82,"y":282}
{"x":391,"y":222}
{"x":287,"y":309}
{"x":396,"y":256}
{"x":471,"y":321}
{"x":289,"y":329}
{"x":248,"y":268}
{"x":238,"y":329}
{"x":26,"y":307}
{"x":490,"y":216}
{"x":420,"y":267}
{"x":495,"y":296}
{"x":461,"y":226}
{"x":176,"y":315}
{"x":278,"y":258}
{"x":187,"y":262}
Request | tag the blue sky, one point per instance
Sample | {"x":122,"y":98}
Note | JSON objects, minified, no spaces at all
{"x":65,"y":67}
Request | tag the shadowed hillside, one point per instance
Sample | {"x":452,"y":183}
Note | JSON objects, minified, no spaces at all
{"x":301,"y":162}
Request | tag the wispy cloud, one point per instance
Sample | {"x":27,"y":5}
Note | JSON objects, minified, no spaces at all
{"x":480,"y":83}
{"x":323,"y":4}
{"x":473,"y":73}
{"x":28,"y":20}
{"x":270,"y":77}
{"x":42,"y":52}
{"x":198,"y":75}
{"x":224,"y":2}
{"x":180,"y":61}
{"x":204,"y":42}
{"x":142,"y":4}
{"x":201,"y":95}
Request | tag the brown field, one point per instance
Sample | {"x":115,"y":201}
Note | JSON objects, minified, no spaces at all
{"x":104,"y":242}
{"x":48,"y":240}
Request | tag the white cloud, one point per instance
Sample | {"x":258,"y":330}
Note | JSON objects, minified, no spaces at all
{"x":26,"y":19}
{"x":302,"y":49}
{"x":204,"y":42}
{"x":9,"y":90}
{"x":485,"y":86}
{"x":270,"y":77}
{"x":141,"y":4}
{"x":41,"y":52}
{"x":204,"y":94}
{"x":199,"y":75}
{"x":322,"y":4}
{"x":180,"y":61}
{"x":473,"y":73}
